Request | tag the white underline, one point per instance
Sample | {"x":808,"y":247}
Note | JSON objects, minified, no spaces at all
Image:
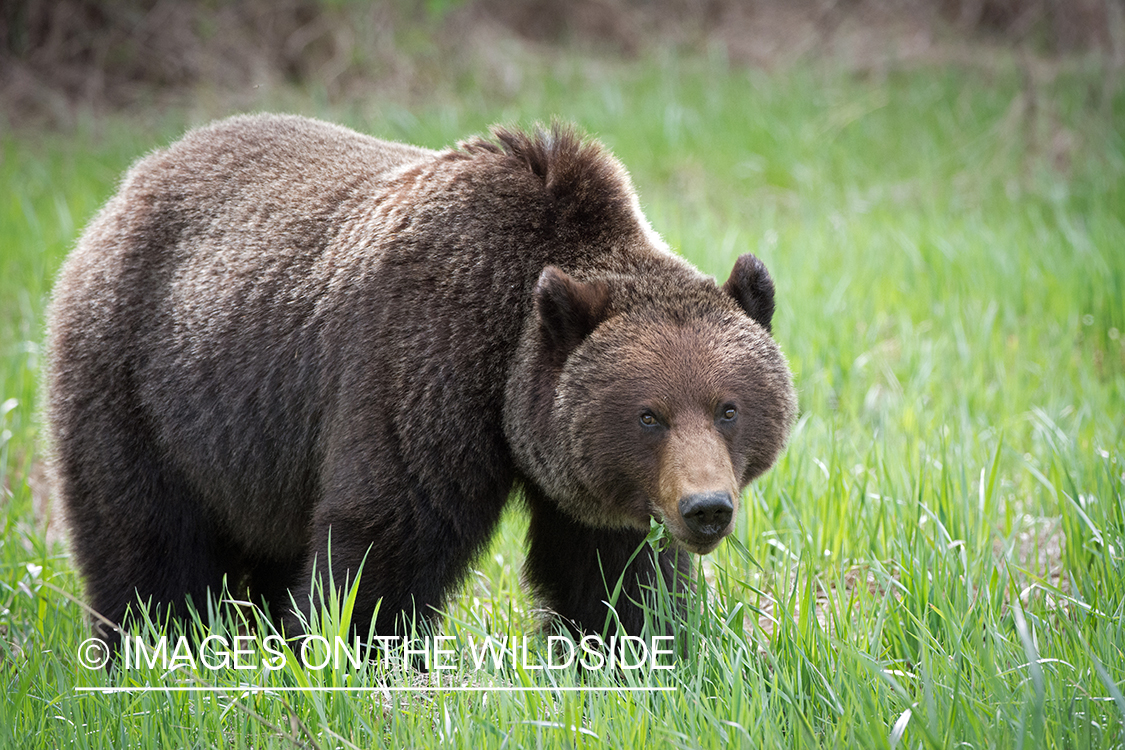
{"x":370,"y":689}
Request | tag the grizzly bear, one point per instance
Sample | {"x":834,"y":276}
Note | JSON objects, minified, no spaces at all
{"x":284,"y":346}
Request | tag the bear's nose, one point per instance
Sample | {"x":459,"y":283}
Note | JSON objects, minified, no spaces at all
{"x":707,"y":513}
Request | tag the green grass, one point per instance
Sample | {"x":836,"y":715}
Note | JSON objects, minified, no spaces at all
{"x":937,"y":561}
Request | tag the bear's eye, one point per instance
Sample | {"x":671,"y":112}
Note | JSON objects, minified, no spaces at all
{"x":728,"y":413}
{"x":648,"y":419}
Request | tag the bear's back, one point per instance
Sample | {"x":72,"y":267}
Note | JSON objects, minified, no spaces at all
{"x":259,"y":155}
{"x":250,"y":191}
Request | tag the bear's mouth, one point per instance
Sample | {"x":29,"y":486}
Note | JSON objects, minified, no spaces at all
{"x":696,"y":543}
{"x":702,"y":545}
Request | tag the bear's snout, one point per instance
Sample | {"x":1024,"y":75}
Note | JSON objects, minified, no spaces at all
{"x":697,"y":496}
{"x":707,"y":514}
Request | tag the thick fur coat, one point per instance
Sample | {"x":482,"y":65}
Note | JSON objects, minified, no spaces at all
{"x":282,"y":336}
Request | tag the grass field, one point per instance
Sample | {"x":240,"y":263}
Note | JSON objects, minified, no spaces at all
{"x":937,"y":561}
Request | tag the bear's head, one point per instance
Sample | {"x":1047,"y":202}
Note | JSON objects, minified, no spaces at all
{"x":639,"y":396}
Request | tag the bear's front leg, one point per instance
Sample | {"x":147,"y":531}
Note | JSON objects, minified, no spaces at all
{"x":397,"y":590}
{"x":574,"y":569}
{"x":406,"y":543}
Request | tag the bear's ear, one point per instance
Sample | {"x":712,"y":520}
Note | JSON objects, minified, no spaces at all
{"x":752,"y":288}
{"x":568,"y":309}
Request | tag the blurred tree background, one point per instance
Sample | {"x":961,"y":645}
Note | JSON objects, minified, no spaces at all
{"x":59,"y":57}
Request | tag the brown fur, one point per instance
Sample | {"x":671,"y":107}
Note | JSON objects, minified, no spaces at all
{"x":282,"y":334}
